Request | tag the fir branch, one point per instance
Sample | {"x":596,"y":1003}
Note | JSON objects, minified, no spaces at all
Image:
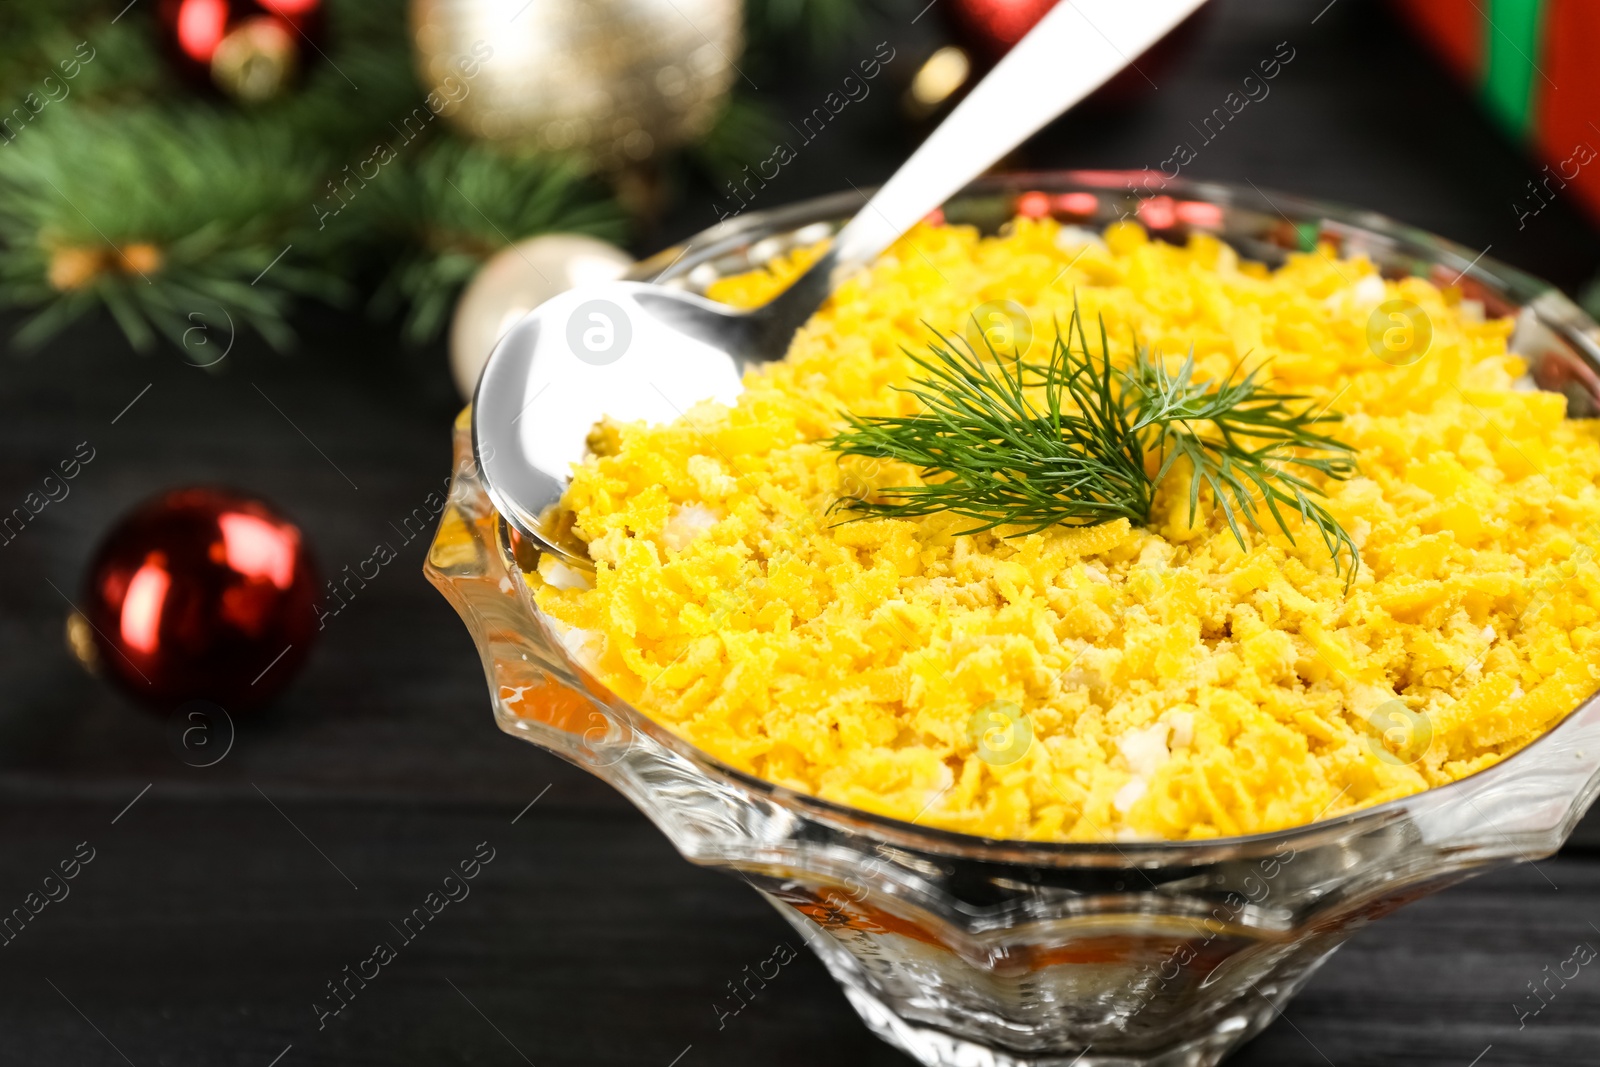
{"x":772,"y":24}
{"x":463,"y":202}
{"x":41,"y":41}
{"x":156,"y":217}
{"x":75,"y":57}
{"x":365,"y":81}
{"x":142,"y":195}
{"x":1009,"y":443}
{"x":745,"y":131}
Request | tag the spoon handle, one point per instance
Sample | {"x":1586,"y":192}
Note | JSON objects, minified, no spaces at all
{"x":1073,"y":50}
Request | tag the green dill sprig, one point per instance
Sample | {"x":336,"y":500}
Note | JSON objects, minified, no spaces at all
{"x":1071,"y":441}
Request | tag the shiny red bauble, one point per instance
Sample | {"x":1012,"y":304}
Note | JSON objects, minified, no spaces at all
{"x":990,"y":27}
{"x":993,"y":26}
{"x":202,"y":594}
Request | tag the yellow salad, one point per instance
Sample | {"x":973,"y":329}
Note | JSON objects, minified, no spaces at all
{"x":1127,"y":680}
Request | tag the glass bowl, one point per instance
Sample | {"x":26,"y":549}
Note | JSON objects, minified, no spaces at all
{"x":962,"y":950}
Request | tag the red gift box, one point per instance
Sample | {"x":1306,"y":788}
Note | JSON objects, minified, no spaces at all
{"x":1533,"y":65}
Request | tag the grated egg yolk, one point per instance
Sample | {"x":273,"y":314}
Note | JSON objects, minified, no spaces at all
{"x":1113,"y":682}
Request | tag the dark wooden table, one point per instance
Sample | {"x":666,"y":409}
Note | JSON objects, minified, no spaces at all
{"x":219,"y":904}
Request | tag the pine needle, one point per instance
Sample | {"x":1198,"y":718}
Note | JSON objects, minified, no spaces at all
{"x":1009,"y":443}
{"x":772,"y":24}
{"x":459,"y":203}
{"x":217,"y":198}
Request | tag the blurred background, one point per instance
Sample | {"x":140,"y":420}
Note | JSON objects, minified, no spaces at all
{"x":252,"y":253}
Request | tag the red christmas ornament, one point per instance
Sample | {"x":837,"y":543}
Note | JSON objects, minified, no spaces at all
{"x":991,"y":27}
{"x":250,"y":49}
{"x":202,"y":594}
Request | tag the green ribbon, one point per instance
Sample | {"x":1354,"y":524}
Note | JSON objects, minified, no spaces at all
{"x":1511,"y":46}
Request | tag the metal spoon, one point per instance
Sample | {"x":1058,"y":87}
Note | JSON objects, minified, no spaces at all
{"x":636,"y":351}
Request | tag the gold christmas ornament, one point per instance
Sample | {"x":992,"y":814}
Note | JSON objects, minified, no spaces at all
{"x":515,"y":281}
{"x":80,"y":642}
{"x":140,"y":257}
{"x":618,"y":80}
{"x":77,"y":267}
{"x":936,"y":81}
{"x":73,"y":267}
{"x":256,"y":60}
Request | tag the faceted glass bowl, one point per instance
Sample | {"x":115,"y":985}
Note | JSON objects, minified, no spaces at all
{"x":961,"y":950}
